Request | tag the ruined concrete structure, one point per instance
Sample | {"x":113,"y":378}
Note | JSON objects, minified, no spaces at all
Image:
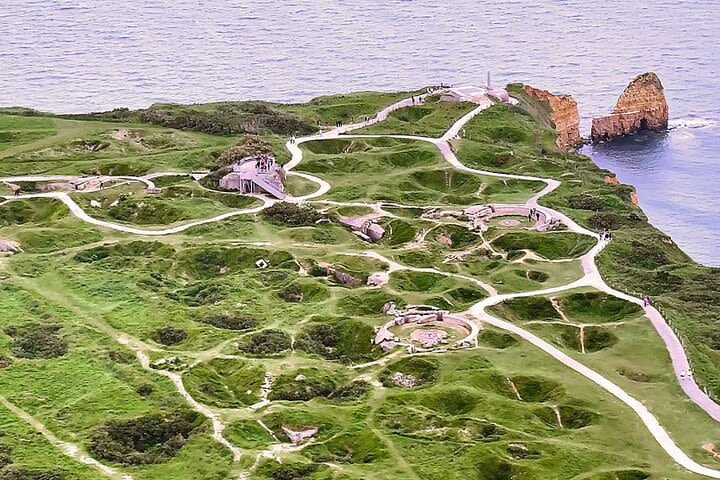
{"x":366,"y":228}
{"x":642,"y":107}
{"x":258,"y":174}
{"x":563,"y":113}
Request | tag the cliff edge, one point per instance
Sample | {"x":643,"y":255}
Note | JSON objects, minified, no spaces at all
{"x":556,"y":111}
{"x":642,"y":107}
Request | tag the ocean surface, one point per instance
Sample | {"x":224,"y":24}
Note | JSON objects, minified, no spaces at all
{"x":89,"y":55}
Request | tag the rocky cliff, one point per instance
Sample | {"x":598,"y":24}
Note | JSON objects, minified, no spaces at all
{"x":642,"y":107}
{"x":562,"y":115}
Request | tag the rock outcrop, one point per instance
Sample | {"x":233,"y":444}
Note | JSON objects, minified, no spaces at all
{"x":6,"y":246}
{"x":642,"y":107}
{"x":563,"y":113}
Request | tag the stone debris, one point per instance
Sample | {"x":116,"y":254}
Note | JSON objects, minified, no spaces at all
{"x":341,"y":277}
{"x":297,"y":437}
{"x":517,"y":450}
{"x":95,"y":204}
{"x":6,"y":246}
{"x":428,"y":337}
{"x":444,"y":238}
{"x":377,"y":279}
{"x":389,"y":308}
{"x":366,"y":228}
{"x":405,"y":380}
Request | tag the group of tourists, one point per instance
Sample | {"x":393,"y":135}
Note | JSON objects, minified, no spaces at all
{"x":606,"y":235}
{"x":534,"y":214}
{"x":292,"y":139}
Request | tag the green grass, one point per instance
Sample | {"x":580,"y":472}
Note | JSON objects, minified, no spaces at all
{"x":402,"y":171}
{"x":552,"y":246}
{"x":431,"y":119}
{"x":465,"y":421}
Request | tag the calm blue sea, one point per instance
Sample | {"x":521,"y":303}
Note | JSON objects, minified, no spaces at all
{"x":82,"y":55}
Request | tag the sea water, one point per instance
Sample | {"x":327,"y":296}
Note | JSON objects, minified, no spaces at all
{"x":88,"y":55}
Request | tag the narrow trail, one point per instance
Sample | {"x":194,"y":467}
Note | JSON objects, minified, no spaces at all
{"x":591,"y":278}
{"x":214,"y":417}
{"x":70,"y":449}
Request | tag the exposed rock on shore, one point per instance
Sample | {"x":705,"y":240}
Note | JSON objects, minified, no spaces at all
{"x":642,"y":107}
{"x":563,"y":113}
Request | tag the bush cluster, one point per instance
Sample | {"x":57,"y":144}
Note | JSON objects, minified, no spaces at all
{"x":291,"y":293}
{"x":229,"y":321}
{"x":292,"y":214}
{"x":169,"y":335}
{"x":266,"y":342}
{"x":249,"y":145}
{"x":37,"y":341}
{"x":227,"y":119}
{"x":143,"y":440}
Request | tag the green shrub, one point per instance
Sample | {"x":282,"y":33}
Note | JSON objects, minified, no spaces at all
{"x":292,"y":214}
{"x":169,"y":335}
{"x":36,"y":341}
{"x":266,"y":342}
{"x":229,"y":321}
{"x":143,"y":440}
{"x":145,"y":390}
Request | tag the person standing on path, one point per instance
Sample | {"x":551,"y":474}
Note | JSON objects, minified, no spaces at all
{"x":646,"y":301}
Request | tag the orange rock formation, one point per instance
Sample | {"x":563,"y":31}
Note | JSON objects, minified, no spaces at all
{"x":563,"y":115}
{"x":642,"y":107}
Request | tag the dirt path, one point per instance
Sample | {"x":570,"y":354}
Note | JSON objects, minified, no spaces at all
{"x":70,"y":449}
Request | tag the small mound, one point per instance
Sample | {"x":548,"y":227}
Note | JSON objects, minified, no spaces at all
{"x":630,"y":474}
{"x":496,"y":468}
{"x":528,"y":308}
{"x":424,"y":370}
{"x":346,"y":340}
{"x":303,"y":384}
{"x":536,"y":389}
{"x":449,"y":400}
{"x":358,"y":447}
{"x":337,"y":146}
{"x":575,"y":417}
{"x":225,"y":383}
{"x":636,"y":376}
{"x":495,"y":339}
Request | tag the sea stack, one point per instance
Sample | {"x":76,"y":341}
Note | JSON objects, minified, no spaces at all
{"x":563,"y":112}
{"x":642,"y":107}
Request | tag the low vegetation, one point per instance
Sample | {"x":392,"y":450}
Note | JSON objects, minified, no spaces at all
{"x":143,"y":440}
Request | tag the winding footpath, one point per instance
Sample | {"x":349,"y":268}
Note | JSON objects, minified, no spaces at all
{"x":591,"y":278}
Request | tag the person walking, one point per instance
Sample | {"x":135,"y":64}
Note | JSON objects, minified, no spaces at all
{"x":646,"y":301}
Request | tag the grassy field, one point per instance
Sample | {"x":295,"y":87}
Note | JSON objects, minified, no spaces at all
{"x":80,"y":301}
{"x":402,"y":171}
{"x":430,"y":119}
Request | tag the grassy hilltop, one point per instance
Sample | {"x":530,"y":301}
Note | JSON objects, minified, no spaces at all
{"x":82,"y":305}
